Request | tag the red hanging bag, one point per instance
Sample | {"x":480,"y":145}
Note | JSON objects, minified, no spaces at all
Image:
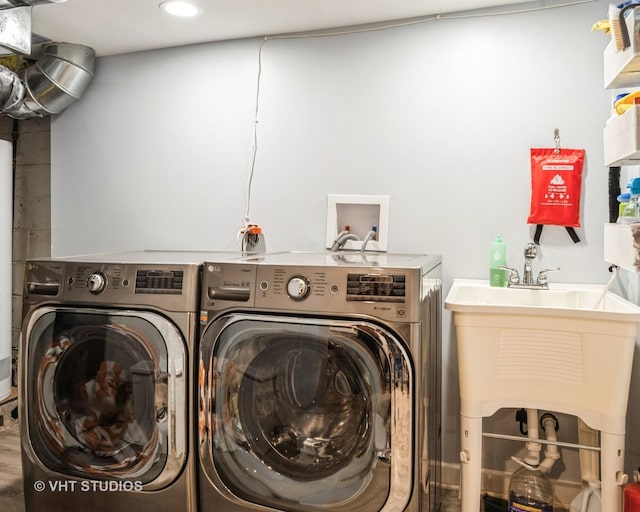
{"x":556,"y":185}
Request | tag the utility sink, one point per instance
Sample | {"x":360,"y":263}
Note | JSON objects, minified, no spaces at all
{"x":566,"y":348}
{"x":568,"y":300}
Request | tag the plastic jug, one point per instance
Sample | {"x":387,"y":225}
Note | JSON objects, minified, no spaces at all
{"x":588,"y":500}
{"x":530,"y":491}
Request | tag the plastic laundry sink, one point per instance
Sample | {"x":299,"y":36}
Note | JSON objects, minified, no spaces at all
{"x":566,"y":349}
{"x":563,"y":349}
{"x":573,"y":300}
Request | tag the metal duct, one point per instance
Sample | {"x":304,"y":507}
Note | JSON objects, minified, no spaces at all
{"x":58,"y":77}
{"x":10,"y":4}
{"x":11,"y":90}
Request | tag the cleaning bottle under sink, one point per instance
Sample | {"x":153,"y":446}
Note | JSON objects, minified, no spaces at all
{"x":589,"y":499}
{"x":497,"y":259}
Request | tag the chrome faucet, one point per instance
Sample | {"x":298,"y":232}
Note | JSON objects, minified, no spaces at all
{"x":530,"y":253}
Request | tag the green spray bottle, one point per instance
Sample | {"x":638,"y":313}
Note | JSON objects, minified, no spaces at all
{"x":498,"y":259}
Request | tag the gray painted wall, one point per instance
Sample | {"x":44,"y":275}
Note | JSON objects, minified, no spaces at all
{"x":439,"y":116}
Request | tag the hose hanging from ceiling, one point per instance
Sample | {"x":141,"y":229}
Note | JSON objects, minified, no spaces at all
{"x":58,"y":77}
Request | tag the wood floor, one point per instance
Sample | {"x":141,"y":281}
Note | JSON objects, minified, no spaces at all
{"x":11,"y":492}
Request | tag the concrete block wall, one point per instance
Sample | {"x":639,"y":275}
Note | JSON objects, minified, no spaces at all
{"x":32,"y":205}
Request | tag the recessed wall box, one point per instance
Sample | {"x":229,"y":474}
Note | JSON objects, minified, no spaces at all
{"x":360,"y":214}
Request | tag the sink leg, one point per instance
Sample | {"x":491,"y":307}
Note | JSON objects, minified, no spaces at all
{"x":471,"y":462}
{"x":612,"y":470}
{"x":589,"y":459}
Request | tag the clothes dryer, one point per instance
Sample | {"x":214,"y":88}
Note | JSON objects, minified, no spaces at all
{"x":319,"y":383}
{"x":106,"y":381}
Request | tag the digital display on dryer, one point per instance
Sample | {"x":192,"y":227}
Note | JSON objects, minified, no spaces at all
{"x":376,"y":287}
{"x":159,"y":281}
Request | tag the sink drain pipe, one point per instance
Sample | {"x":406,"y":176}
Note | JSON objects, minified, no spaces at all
{"x":549,"y":424}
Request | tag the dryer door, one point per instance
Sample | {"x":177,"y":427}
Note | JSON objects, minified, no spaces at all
{"x":303,"y":414}
{"x":105,"y":395}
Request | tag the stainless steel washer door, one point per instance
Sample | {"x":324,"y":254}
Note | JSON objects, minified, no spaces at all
{"x":306,"y":414}
{"x":105,"y":395}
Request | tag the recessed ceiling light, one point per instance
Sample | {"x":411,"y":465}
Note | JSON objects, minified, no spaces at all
{"x":180,"y":8}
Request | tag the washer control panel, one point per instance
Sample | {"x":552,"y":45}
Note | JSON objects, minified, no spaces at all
{"x":327,"y":285}
{"x":378,"y":292}
{"x":163,"y":281}
{"x":295,"y":284}
{"x":376,"y":287}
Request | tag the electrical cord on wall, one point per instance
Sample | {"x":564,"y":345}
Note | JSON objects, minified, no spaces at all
{"x":480,"y":13}
{"x":254,"y":150}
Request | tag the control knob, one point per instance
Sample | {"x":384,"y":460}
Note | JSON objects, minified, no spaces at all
{"x":97,"y":282}
{"x":298,"y":287}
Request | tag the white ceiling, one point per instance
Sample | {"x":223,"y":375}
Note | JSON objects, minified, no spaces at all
{"x":123,"y":26}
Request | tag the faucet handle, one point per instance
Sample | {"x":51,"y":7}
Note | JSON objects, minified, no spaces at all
{"x":542,"y":275}
{"x":514,"y":277}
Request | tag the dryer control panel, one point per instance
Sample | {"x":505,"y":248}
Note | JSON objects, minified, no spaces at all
{"x":388,"y":287}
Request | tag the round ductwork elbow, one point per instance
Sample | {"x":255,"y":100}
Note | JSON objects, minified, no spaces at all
{"x":57,"y":78}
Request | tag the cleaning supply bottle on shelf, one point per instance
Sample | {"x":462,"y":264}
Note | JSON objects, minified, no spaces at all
{"x":498,"y":259}
{"x":631,"y":212}
{"x":623,"y":200}
{"x":530,"y":491}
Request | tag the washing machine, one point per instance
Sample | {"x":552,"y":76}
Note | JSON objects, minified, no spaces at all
{"x":106,"y":381}
{"x":319,"y":383}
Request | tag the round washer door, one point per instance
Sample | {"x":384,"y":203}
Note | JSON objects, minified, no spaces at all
{"x":105,"y":394}
{"x":303,"y":414}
